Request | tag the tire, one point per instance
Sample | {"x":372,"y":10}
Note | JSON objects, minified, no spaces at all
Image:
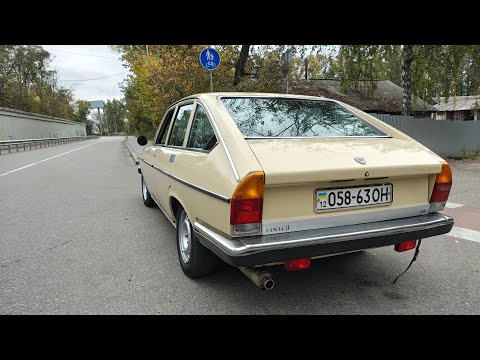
{"x":195,"y":259}
{"x":147,"y":198}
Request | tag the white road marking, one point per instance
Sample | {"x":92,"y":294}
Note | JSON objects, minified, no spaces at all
{"x":50,"y":158}
{"x":452,"y":205}
{"x":466,"y":234}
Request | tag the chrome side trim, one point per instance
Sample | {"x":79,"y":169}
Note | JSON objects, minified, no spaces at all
{"x":220,"y":137}
{"x":248,"y":246}
{"x":184,"y":182}
{"x":326,"y":221}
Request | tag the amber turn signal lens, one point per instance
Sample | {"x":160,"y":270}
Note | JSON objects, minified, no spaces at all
{"x":445,"y":175}
{"x":251,"y":186}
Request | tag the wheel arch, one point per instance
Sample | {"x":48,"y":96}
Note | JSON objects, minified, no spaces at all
{"x":175,"y":204}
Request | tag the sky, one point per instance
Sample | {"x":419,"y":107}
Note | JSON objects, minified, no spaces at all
{"x":83,"y":62}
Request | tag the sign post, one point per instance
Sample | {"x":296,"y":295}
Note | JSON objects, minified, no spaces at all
{"x":210,"y":59}
{"x":98,"y":104}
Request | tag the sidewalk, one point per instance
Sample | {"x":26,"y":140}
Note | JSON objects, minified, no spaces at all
{"x":134,"y":149}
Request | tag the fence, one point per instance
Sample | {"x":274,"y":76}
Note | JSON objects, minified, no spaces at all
{"x":10,"y":145}
{"x":441,"y":136}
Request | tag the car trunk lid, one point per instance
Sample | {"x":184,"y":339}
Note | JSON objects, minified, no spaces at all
{"x":293,"y":161}
{"x":296,"y":169}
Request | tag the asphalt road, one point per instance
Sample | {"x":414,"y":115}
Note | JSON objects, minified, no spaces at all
{"x":75,"y":238}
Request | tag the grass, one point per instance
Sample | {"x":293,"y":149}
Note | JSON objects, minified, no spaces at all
{"x":469,"y":155}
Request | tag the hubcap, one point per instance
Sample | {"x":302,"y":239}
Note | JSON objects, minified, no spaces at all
{"x":184,"y":237}
{"x":144,"y":189}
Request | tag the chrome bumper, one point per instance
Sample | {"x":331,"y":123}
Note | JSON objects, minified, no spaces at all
{"x":251,"y":251}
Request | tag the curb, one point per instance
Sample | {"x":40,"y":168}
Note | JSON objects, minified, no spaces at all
{"x":133,"y":154}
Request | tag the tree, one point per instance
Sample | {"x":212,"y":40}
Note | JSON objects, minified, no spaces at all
{"x":172,"y":72}
{"x":407,"y":58}
{"x":27,"y":83}
{"x":241,"y":62}
{"x":82,"y":111}
{"x":427,"y":71}
{"x":115,"y":115}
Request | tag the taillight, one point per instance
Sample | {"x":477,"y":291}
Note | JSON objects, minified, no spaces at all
{"x":406,"y":245}
{"x":441,"y":189}
{"x":297,"y":264}
{"x":247,"y":205}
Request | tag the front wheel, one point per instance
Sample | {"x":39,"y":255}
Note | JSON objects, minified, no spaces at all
{"x":147,"y":198}
{"x":195,"y":259}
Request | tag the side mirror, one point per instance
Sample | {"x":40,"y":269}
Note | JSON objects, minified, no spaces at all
{"x":142,"y":140}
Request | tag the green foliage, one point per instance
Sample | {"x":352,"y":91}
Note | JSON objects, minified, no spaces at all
{"x":27,"y":83}
{"x":437,"y":70}
{"x":469,"y":155}
{"x":172,"y":72}
{"x":82,"y":110}
{"x":114,"y":113}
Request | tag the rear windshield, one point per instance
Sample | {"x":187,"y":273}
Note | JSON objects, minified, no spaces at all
{"x":281,"y":117}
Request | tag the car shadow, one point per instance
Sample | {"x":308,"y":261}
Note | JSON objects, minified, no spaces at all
{"x":336,"y":284}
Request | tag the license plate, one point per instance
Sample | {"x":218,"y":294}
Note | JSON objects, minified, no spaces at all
{"x":330,"y":199}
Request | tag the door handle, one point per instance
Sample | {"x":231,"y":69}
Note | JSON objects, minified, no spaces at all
{"x":172,"y":158}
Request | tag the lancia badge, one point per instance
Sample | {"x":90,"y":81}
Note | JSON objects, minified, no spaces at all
{"x":360,"y":160}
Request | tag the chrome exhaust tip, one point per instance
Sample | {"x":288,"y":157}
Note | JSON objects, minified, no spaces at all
{"x":262,"y":279}
{"x":269,"y":284}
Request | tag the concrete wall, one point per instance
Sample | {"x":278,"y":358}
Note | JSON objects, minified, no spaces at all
{"x":444,"y":137}
{"x":19,"y":125}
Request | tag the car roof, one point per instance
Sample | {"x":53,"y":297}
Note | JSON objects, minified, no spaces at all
{"x":215,"y":95}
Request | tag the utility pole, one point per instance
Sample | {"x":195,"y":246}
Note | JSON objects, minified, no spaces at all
{"x":148,"y":54}
{"x":287,"y":58}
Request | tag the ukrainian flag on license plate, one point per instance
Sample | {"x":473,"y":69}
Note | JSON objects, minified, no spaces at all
{"x":321,"y":195}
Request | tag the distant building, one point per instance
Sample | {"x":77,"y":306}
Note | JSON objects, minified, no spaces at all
{"x":386,"y":99}
{"x":457,"y":108}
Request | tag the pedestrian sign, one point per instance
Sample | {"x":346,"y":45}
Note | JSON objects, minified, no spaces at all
{"x":210,"y":59}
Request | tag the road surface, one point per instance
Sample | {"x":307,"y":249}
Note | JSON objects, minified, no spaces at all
{"x":75,"y":238}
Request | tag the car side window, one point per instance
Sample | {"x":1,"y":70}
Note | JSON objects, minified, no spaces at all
{"x":162,"y":135}
{"x":202,"y":135}
{"x":180,"y":125}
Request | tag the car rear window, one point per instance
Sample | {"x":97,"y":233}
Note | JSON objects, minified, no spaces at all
{"x":282,"y":117}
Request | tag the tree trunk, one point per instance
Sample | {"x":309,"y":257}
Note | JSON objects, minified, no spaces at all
{"x":241,"y":62}
{"x":306,"y":68}
{"x":407,"y":57}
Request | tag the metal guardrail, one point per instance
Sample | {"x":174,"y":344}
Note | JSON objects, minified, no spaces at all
{"x":39,"y":143}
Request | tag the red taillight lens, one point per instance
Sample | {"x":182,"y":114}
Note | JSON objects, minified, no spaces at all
{"x":246,"y":211}
{"x":440,"y":192}
{"x":297,"y":264}
{"x":247,"y":201}
{"x":406,"y":245}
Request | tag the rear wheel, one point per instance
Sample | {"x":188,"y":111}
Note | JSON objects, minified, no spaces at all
{"x":195,"y":259}
{"x":147,"y":198}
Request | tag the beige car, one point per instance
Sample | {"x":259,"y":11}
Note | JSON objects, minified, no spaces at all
{"x":266,"y":179}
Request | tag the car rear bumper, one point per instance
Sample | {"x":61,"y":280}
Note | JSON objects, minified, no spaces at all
{"x":251,"y":251}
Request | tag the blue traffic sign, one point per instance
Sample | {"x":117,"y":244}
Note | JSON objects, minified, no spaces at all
{"x":210,"y":58}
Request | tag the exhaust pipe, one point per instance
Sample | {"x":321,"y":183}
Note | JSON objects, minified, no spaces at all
{"x":262,"y":279}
